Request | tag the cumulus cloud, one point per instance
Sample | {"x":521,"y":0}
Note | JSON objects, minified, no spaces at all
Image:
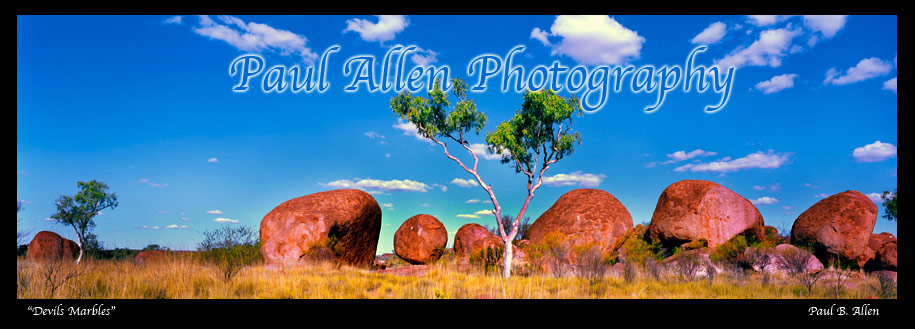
{"x":384,"y":30}
{"x":890,"y":85}
{"x":368,"y":184}
{"x":592,"y":40}
{"x":712,"y":34}
{"x":212,"y":160}
{"x":214,"y":212}
{"x":147,"y":182}
{"x":828,"y":25}
{"x":482,"y":151}
{"x":541,"y":36}
{"x":582,"y":179}
{"x":224,"y":220}
{"x":764,"y":200}
{"x":173,"y":20}
{"x":424,"y":57}
{"x":409,"y":129}
{"x":759,"y":159}
{"x":256,"y":37}
{"x":874,"y":152}
{"x":464,"y":182}
{"x":821,"y":195}
{"x":765,"y":20}
{"x":483,"y":212}
{"x":176,"y":226}
{"x":772,"y":188}
{"x":472,"y":201}
{"x":876,"y":197}
{"x":865,"y":69}
{"x":388,"y":205}
{"x":467,"y":216}
{"x":682,"y":156}
{"x":777,"y":83}
{"x":768,"y":50}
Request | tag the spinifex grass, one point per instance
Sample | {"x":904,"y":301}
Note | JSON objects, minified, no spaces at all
{"x":191,"y":279}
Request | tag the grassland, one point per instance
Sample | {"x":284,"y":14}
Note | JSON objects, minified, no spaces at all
{"x":188,"y":278}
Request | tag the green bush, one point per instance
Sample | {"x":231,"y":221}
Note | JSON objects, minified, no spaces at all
{"x":488,"y":258}
{"x":230,"y":249}
{"x":730,"y":251}
{"x":636,"y":249}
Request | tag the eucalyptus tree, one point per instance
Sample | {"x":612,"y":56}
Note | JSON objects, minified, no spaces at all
{"x":78,"y":211}
{"x":537,"y":136}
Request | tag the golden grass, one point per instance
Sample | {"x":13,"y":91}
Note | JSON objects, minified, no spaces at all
{"x":190,"y":279}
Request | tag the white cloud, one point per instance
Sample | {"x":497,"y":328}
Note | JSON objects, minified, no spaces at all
{"x":876,"y":197}
{"x":26,"y":202}
{"x":682,"y":155}
{"x":424,"y":57}
{"x":224,"y":220}
{"x":764,"y":200}
{"x":173,"y":20}
{"x":373,"y":135}
{"x":464,"y":182}
{"x":185,"y":219}
{"x":176,"y":226}
{"x":582,"y":179}
{"x":769,"y":49}
{"x":541,"y":35}
{"x":384,"y":30}
{"x":369,"y":184}
{"x":409,"y":129}
{"x":147,"y":182}
{"x":821,"y":195}
{"x":712,"y":34}
{"x":828,"y":25}
{"x":874,"y":152}
{"x":482,"y":151}
{"x":255,"y":37}
{"x":467,"y":216}
{"x":810,"y":185}
{"x":593,"y":40}
{"x":483,"y":212}
{"x":759,"y":159}
{"x":443,"y":187}
{"x":214,"y":212}
{"x":772,"y":188}
{"x":765,"y":20}
{"x":472,"y":201}
{"x":865,"y":69}
{"x":388,"y":205}
{"x":212,"y":160}
{"x":777,"y":83}
{"x":387,"y":155}
{"x":890,"y":85}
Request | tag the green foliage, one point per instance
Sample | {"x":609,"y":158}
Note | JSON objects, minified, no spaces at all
{"x":431,"y":115}
{"x":889,"y":205}
{"x":488,"y":258}
{"x":542,"y":126}
{"x":636,"y":249}
{"x":697,"y":244}
{"x":731,"y":250}
{"x":78,"y":210}
{"x":523,"y":225}
{"x":154,"y":247}
{"x":230,"y":249}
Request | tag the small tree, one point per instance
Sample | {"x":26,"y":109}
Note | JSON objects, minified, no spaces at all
{"x":889,"y":205}
{"x":538,"y":135}
{"x":507,"y":222}
{"x":78,"y":211}
{"x":230,"y":248}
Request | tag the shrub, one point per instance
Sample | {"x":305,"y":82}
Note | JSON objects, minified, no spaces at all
{"x":488,"y":258}
{"x":552,"y":252}
{"x":686,"y":264}
{"x":592,"y":263}
{"x":230,"y":249}
{"x":730,"y":251}
{"x":636,"y":249}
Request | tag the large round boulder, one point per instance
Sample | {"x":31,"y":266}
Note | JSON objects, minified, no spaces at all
{"x":473,"y":237}
{"x":47,"y":244}
{"x":838,"y":228}
{"x":420,"y":239}
{"x":584,"y":216}
{"x":691,"y":210}
{"x":341,"y":224}
{"x":884,"y":247}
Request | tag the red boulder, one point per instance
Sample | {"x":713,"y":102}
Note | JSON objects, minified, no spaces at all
{"x":420,"y":239}
{"x":884,"y":247}
{"x":584,"y":216}
{"x":838,"y":227}
{"x":47,"y":244}
{"x":472,"y":237}
{"x":690,"y":210}
{"x":342,"y":224}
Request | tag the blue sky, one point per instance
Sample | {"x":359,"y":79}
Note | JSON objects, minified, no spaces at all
{"x":145,"y":104}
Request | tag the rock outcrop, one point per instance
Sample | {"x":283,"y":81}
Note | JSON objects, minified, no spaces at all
{"x":473,"y":237}
{"x":584,"y":216}
{"x":838,"y":228}
{"x":884,"y":247}
{"x":47,"y":245}
{"x":341,"y":224}
{"x":420,"y":239}
{"x":691,"y":210}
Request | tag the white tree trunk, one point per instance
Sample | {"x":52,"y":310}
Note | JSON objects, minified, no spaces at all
{"x":507,"y":259}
